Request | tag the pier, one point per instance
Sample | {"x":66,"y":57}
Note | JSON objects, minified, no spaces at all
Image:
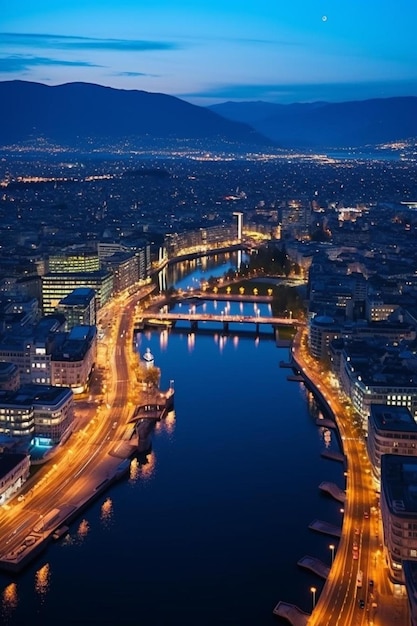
{"x":314,"y":565}
{"x":325,"y":528}
{"x":333,"y":456}
{"x":333,"y":490}
{"x":296,"y":378}
{"x":291,"y":613}
{"x":325,"y":423}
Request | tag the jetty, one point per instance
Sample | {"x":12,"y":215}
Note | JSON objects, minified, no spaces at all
{"x":325,"y":423}
{"x":325,"y":527}
{"x":297,"y":378}
{"x":333,"y":490}
{"x":287,"y":364}
{"x":291,"y":613}
{"x":333,"y":456}
{"x":314,"y":565}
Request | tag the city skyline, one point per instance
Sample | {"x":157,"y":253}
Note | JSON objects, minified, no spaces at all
{"x":204,"y":54}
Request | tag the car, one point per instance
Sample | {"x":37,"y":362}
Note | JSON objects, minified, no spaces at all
{"x":361,"y":604}
{"x":371,"y":583}
{"x":366,"y":514}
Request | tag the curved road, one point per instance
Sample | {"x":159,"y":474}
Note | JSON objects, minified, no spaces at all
{"x":339,"y":602}
{"x":89,"y":457}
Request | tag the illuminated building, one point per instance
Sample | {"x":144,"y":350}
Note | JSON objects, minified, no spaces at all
{"x":14,"y":471}
{"x":322,"y":330}
{"x":78,"y":308}
{"x":124,"y":266}
{"x":369,"y":374}
{"x":377,"y":309}
{"x":239,"y":224}
{"x":295,"y":219}
{"x":73,"y":356}
{"x":399,"y":512}
{"x":391,"y":430}
{"x":80,"y":262}
{"x":37,"y":411}
{"x":55,"y":287}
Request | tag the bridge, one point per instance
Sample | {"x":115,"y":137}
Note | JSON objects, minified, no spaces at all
{"x":223,"y":318}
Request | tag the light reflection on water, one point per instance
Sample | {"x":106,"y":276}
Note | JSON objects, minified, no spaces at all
{"x":83,"y":530}
{"x":42,"y":580}
{"x":134,"y":472}
{"x":106,"y":512}
{"x":148,"y":467}
{"x":9,"y":599}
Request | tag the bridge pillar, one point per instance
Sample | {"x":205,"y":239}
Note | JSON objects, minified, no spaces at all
{"x":226,"y":327}
{"x":194,"y":325}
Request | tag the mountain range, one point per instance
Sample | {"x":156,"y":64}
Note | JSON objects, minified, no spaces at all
{"x":80,"y":115}
{"x":331,"y":125}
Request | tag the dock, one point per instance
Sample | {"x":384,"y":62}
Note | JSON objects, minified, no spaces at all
{"x":296,"y":378}
{"x":325,"y":423}
{"x":314,"y":565}
{"x":291,"y":613}
{"x":333,"y":490}
{"x":325,"y":527}
{"x":333,"y":456}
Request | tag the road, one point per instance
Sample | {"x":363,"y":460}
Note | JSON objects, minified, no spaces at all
{"x":339,"y":602}
{"x":92,"y":453}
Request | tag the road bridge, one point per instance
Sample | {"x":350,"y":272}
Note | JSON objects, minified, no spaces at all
{"x":194,"y":318}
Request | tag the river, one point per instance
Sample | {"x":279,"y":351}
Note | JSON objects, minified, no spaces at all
{"x":208,"y":528}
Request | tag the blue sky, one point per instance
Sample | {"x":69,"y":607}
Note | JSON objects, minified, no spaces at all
{"x":208,"y":51}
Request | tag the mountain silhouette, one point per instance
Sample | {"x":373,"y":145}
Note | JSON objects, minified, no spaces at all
{"x":75,"y":114}
{"x":323,"y":124}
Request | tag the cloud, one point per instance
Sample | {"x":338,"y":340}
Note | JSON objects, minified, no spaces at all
{"x":22,"y":63}
{"x":134,"y":74}
{"x":66,"y":42}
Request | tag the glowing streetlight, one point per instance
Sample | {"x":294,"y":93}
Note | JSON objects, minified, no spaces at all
{"x":332,"y":550}
{"x":313,"y":591}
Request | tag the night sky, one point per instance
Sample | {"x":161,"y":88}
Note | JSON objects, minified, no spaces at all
{"x":218,"y":50}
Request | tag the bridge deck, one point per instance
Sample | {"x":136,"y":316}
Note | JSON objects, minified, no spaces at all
{"x":219,"y":317}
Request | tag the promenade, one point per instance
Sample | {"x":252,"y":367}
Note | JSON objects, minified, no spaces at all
{"x":96,"y":455}
{"x":338,"y":602}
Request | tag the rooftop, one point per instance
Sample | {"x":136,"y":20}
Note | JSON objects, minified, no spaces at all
{"x":396,"y":418}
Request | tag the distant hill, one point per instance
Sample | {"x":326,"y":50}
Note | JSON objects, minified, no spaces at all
{"x":322,"y":124}
{"x":74,"y":114}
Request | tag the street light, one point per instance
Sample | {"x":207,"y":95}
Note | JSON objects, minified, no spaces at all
{"x":332,"y":549}
{"x":313,"y":591}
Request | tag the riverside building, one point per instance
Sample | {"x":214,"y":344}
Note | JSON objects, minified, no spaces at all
{"x":391,"y":430}
{"x":399,"y":512}
{"x":37,"y":412}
